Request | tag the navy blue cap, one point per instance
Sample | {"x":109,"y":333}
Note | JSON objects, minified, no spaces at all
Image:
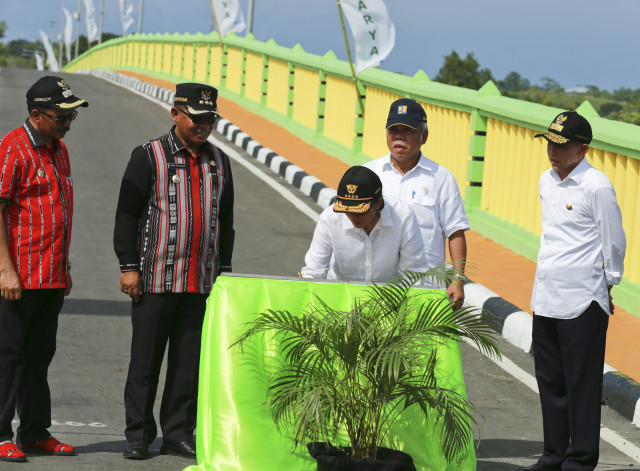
{"x":408,"y":112}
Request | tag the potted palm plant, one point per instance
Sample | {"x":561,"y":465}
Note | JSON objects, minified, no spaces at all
{"x":352,"y":373}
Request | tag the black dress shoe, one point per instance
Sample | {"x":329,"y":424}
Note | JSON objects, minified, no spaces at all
{"x":540,"y":466}
{"x":136,"y":450}
{"x":184,"y":448}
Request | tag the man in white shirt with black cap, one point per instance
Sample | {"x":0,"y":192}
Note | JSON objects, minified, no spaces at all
{"x":364,"y":237}
{"x":430,"y":189}
{"x":582,"y":248}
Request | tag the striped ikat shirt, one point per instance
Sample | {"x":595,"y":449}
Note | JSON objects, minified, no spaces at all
{"x":36,"y":186}
{"x":174,"y":221}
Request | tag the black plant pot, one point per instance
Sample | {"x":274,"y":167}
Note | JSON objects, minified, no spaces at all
{"x":329,"y":458}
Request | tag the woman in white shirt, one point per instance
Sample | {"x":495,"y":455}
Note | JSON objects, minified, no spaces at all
{"x":364,"y":237}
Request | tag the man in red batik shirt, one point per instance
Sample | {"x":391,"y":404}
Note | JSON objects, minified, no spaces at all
{"x":36,"y":206}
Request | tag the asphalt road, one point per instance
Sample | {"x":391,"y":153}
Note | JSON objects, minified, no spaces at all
{"x":88,"y":373}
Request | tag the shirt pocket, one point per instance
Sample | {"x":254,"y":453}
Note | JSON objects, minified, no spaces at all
{"x":424,"y":206}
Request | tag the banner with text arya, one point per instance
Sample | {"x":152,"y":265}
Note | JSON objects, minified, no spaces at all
{"x":372,"y":29}
{"x":229,"y":16}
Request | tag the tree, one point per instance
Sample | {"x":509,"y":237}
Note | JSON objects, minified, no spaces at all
{"x":24,"y":48}
{"x":513,"y":82}
{"x":550,"y":85}
{"x":463,"y":72}
{"x":3,"y":28}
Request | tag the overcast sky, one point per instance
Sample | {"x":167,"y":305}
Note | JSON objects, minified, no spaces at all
{"x":575,"y":42}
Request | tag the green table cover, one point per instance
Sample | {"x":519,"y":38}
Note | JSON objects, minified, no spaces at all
{"x":235,"y":431}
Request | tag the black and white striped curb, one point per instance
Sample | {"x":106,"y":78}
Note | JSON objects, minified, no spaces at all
{"x":294,"y":175}
{"x":619,"y":392}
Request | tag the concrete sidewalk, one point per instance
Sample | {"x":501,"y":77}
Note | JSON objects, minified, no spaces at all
{"x":502,"y":279}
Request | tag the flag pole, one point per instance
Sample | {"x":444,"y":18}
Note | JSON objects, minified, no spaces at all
{"x":62,"y":26}
{"x":140,"y":17}
{"x":78,"y":27}
{"x":215,"y":21}
{"x":353,"y":71}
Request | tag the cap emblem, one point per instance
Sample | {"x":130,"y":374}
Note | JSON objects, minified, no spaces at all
{"x":206,"y":98}
{"x":352,"y":189}
{"x":402,"y":109}
{"x":557,"y":125}
{"x":63,"y":85}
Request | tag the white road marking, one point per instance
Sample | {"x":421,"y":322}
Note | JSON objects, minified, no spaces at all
{"x":281,"y":189}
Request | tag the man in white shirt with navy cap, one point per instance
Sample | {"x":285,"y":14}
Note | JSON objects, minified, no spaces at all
{"x":582,"y":248}
{"x":430,"y":189}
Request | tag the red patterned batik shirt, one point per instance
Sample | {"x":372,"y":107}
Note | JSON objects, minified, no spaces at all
{"x":36,"y":187}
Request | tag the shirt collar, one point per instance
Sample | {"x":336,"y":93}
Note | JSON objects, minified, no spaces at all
{"x":576,"y":175}
{"x":177,"y":145}
{"x":36,"y":139}
{"x":423,"y":163}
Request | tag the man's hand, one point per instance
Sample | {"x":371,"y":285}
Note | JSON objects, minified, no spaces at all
{"x":10,"y":284}
{"x":130,"y":284}
{"x":611,"y":306}
{"x":67,"y":290}
{"x":455,"y":293}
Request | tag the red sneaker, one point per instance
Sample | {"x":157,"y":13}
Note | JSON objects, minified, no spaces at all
{"x":49,"y":447}
{"x":10,"y":452}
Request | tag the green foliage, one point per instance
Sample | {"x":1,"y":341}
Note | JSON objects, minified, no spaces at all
{"x":621,"y":105}
{"x":463,"y":72}
{"x":355,"y":371}
{"x":3,"y":28}
{"x":513,"y":82}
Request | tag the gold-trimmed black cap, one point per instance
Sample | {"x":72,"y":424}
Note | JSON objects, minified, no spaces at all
{"x":408,"y":112}
{"x":53,"y":92}
{"x":568,"y":126}
{"x":357,"y":190}
{"x":198,"y":98}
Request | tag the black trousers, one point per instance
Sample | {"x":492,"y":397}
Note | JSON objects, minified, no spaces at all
{"x":569,"y":362}
{"x":158,"y":319}
{"x":28,"y":330}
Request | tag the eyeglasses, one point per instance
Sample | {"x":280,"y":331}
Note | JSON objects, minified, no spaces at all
{"x":208,"y":118}
{"x":63,"y":118}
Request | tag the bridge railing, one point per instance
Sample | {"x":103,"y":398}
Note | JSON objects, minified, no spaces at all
{"x":485,"y":139}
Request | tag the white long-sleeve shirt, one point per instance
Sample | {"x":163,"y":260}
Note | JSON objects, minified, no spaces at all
{"x":340,"y":251}
{"x":582,"y":245}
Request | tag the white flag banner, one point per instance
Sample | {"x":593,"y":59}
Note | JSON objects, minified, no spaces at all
{"x":126,"y":15}
{"x":68,"y":32}
{"x":51,"y":56}
{"x":229,"y":15}
{"x":39,"y":62}
{"x":90,"y":21}
{"x":372,"y":30}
